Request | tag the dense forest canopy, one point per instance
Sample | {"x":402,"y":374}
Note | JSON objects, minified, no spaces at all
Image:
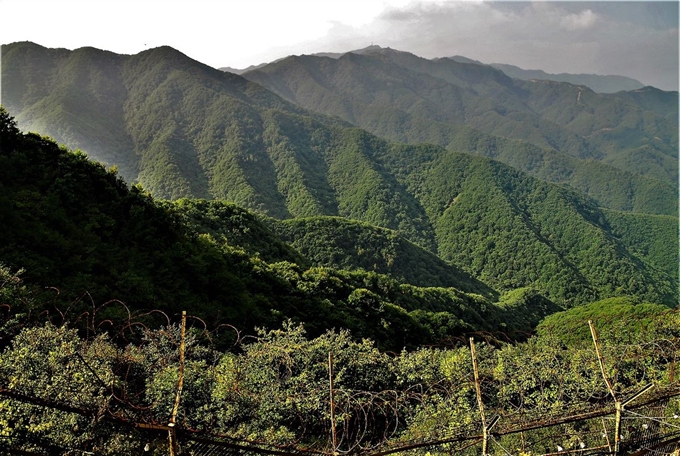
{"x":337,"y":228}
{"x":73,"y":225}
{"x":555,"y":131}
{"x":374,"y":207}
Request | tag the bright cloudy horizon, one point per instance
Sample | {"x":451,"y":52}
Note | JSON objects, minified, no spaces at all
{"x":634,"y":39}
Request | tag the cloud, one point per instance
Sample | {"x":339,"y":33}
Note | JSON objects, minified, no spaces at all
{"x":574,"y":37}
{"x":585,"y":19}
{"x":626,"y":38}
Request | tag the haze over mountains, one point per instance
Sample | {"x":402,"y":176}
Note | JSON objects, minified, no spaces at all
{"x":597,"y":82}
{"x":404,"y":98}
{"x":493,"y":184}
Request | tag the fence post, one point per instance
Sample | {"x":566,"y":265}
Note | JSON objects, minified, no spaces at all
{"x":617,"y":403}
{"x":606,"y":436}
{"x":331,"y":375}
{"x":480,"y":403}
{"x":620,"y":405}
{"x":172,"y":433}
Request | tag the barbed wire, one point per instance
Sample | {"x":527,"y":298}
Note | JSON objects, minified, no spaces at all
{"x":377,"y":422}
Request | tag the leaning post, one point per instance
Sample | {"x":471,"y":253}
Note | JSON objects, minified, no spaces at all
{"x":480,"y":403}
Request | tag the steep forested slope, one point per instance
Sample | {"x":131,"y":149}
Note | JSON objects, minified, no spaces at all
{"x":77,"y":228}
{"x":654,"y":238}
{"x":403,"y":244}
{"x":348,"y":244}
{"x":159,"y":116}
{"x":236,"y":226}
{"x":409,"y":99}
{"x":565,"y":241}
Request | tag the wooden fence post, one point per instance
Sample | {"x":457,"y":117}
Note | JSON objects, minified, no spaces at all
{"x":331,"y":375}
{"x":617,"y":403}
{"x":172,"y":433}
{"x":480,"y":403}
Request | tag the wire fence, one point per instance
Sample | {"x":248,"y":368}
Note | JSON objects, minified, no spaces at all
{"x":490,"y":400}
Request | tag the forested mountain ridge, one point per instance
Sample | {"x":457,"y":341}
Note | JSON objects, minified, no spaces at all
{"x":77,"y":228}
{"x":160,"y":116}
{"x":198,"y":132}
{"x":313,"y":257}
{"x":349,"y":244}
{"x":557,"y":115}
{"x":554,"y":228}
{"x":599,"y":83}
{"x":405,"y":98}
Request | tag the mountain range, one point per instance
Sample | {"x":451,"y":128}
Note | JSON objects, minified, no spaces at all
{"x":112,"y":251}
{"x":405,"y":98}
{"x":597,"y":82}
{"x":435,"y":173}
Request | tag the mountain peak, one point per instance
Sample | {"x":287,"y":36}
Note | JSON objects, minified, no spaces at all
{"x":462,"y":59}
{"x":375,"y":49}
{"x":164,"y":51}
{"x":371,"y":48}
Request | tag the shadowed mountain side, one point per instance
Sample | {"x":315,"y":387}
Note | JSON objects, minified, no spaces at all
{"x":200,"y":132}
{"x":347,"y":244}
{"x":236,"y":226}
{"x":162,"y":117}
{"x":159,"y":116}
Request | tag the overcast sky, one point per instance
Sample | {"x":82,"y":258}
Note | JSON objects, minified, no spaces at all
{"x":636,"y":39}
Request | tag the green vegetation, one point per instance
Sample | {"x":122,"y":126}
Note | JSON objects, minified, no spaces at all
{"x":654,"y":238}
{"x":457,"y":220}
{"x":346,"y":244}
{"x":77,"y":227}
{"x":472,"y":212}
{"x":394,"y":246}
{"x":161,"y":117}
{"x":274,"y":388}
{"x":484,"y":212}
{"x":616,"y":318}
{"x":610,"y":187}
{"x":621,"y":148}
{"x":235,"y":226}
